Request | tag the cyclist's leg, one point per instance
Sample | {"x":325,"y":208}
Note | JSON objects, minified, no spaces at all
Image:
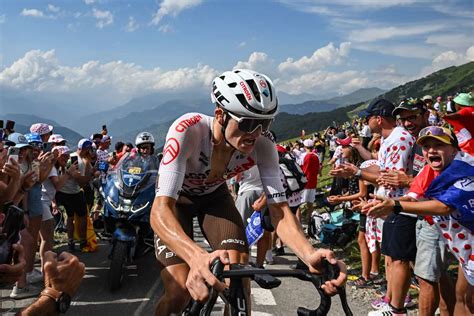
{"x":176,"y":296}
{"x":174,"y":271}
{"x":223,"y":227}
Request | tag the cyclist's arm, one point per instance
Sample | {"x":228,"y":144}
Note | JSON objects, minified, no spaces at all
{"x":166,"y":225}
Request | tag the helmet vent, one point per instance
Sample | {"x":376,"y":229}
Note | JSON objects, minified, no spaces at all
{"x":253,"y":87}
{"x":271,"y":93}
{"x":233,"y":84}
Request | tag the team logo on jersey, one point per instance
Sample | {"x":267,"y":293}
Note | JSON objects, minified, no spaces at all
{"x":171,"y":151}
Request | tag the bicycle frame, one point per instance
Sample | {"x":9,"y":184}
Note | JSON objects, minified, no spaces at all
{"x":235,"y":296}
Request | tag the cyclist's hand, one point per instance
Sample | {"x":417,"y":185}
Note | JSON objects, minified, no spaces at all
{"x":315,"y":259}
{"x":200,"y":275}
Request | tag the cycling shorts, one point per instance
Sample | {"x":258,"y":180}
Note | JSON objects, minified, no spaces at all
{"x":218,"y":218}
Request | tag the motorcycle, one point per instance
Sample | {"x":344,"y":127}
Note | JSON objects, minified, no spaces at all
{"x":128,"y":191}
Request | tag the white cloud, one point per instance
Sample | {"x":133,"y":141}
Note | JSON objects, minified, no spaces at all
{"x":447,"y":59}
{"x":257,"y":61}
{"x":89,"y":1}
{"x":321,"y":58}
{"x":452,"y":41}
{"x":132,"y":25}
{"x":173,"y":8}
{"x":166,"y":28}
{"x":41,"y":71}
{"x":242,"y":44}
{"x":104,"y":18}
{"x":377,"y":33}
{"x":3,"y":18}
{"x":34,"y":13}
{"x":53,"y":8}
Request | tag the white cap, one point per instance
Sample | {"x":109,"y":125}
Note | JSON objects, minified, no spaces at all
{"x":56,"y":138}
{"x":308,"y":143}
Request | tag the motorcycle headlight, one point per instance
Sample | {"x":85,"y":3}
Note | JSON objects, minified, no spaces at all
{"x":138,"y":208}
{"x":115,"y":205}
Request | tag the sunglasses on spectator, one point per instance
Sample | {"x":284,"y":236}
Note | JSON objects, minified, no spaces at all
{"x":411,"y":118}
{"x":250,"y":124}
{"x":434,"y":131}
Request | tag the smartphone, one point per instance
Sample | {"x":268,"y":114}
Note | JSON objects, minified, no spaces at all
{"x":35,"y":166}
{"x":13,"y":152}
{"x":1,"y":123}
{"x":10,"y":125}
{"x":10,"y":235}
{"x":114,"y":154}
{"x":47,"y":147}
{"x":104,"y":127}
{"x":73,"y":160}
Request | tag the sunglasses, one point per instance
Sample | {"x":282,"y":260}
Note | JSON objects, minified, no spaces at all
{"x":250,"y":124}
{"x":411,"y":118}
{"x":434,"y":131}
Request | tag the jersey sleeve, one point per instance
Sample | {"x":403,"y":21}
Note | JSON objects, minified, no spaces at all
{"x":267,"y":162}
{"x":179,"y":145}
{"x":399,"y":152}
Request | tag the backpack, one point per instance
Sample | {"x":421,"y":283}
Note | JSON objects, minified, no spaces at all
{"x":294,"y":175}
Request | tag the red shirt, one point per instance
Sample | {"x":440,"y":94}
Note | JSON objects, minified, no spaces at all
{"x":464,"y":128}
{"x":311,"y":169}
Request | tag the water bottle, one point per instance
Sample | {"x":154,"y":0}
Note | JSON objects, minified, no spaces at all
{"x":254,"y":230}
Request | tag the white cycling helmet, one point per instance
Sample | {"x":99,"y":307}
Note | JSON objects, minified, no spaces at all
{"x":144,"y":138}
{"x":245,"y":93}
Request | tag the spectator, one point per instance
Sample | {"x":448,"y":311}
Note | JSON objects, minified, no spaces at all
{"x":72,"y":197}
{"x":102,"y":151}
{"x":57,"y":140}
{"x":433,"y":118}
{"x":437,"y":106}
{"x":463,"y":121}
{"x":365,"y":133}
{"x":309,"y":162}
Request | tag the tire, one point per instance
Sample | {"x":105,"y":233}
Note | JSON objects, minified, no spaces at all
{"x":117,"y":263}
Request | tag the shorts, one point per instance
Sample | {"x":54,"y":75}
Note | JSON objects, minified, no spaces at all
{"x":35,"y":205}
{"x":362,"y":223}
{"x":244,"y":202}
{"x":47,"y":214}
{"x":431,"y":255}
{"x":219,"y":220}
{"x":73,"y":203}
{"x":308,"y":196}
{"x":399,"y":237}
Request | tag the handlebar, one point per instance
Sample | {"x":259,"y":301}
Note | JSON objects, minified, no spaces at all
{"x":267,"y":279}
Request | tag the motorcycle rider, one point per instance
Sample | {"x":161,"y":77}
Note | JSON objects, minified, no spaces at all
{"x":145,"y":143}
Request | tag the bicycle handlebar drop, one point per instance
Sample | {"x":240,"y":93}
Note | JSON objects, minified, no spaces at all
{"x":268,"y":279}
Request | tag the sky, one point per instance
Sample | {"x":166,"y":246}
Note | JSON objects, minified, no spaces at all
{"x":115,"y":50}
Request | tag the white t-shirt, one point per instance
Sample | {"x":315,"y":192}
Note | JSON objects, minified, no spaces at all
{"x":366,"y":132}
{"x":250,"y":181}
{"x":186,"y":161}
{"x":48,"y":190}
{"x":395,"y":154}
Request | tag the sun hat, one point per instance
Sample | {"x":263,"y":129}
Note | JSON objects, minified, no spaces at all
{"x":440,"y":133}
{"x":308,"y":143}
{"x":56,"y":138}
{"x":427,"y":97}
{"x":41,"y":128}
{"x":465,"y":99}
{"x":62,"y":150}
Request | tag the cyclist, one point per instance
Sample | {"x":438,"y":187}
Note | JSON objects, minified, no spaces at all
{"x":200,"y":154}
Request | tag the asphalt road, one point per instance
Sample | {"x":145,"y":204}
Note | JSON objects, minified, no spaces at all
{"x":142,"y":287}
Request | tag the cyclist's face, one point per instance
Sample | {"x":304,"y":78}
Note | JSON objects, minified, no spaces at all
{"x":244,"y":142}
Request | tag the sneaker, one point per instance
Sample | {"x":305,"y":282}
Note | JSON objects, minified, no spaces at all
{"x":28,"y":291}
{"x":408,"y":302}
{"x":279,"y":251}
{"x":34,"y":276}
{"x":377,"y":279}
{"x":386,"y":311}
{"x":269,"y":257}
{"x":380,"y":303}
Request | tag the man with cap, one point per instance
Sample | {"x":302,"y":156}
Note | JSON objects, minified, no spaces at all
{"x":102,"y":151}
{"x":43,"y":129}
{"x":309,"y":162}
{"x":463,"y":121}
{"x":431,"y":256}
{"x":72,"y":197}
{"x":398,"y":236}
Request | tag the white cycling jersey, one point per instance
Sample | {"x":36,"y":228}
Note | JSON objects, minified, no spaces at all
{"x":187,"y":154}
